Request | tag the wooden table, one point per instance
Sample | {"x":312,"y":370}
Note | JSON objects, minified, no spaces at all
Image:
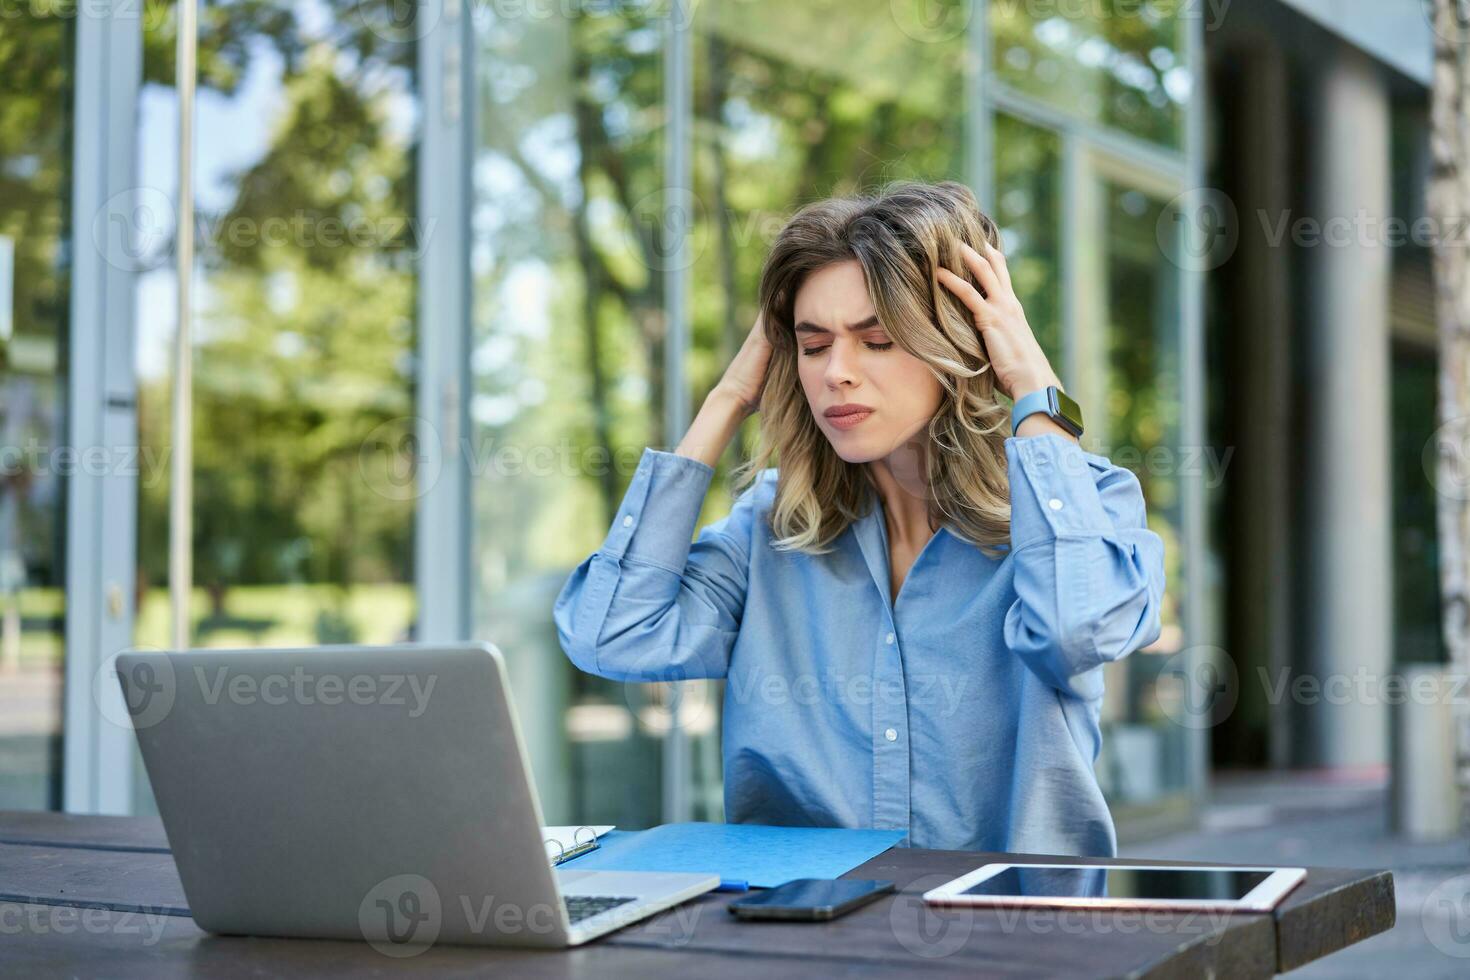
{"x":57,"y":871}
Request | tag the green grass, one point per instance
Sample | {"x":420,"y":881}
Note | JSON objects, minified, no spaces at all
{"x":254,"y":615}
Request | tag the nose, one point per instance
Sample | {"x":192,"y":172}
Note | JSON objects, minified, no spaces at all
{"x":841,"y":365}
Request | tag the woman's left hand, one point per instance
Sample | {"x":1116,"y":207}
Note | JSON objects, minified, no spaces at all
{"x":1019,"y":363}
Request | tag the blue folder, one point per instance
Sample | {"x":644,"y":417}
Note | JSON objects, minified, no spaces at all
{"x":743,"y":855}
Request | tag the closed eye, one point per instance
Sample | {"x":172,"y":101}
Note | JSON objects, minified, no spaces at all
{"x":810,"y":351}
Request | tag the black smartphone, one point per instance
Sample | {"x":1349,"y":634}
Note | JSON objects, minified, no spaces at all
{"x":810,"y":899}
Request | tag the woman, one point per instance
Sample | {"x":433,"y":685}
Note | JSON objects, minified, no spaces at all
{"x":913,"y":612}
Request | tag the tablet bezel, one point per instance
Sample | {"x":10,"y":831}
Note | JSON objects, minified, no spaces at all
{"x":1262,"y":898}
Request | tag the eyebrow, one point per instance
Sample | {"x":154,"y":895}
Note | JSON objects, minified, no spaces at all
{"x":807,"y":326}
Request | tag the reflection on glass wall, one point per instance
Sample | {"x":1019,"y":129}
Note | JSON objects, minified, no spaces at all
{"x":1118,"y":64}
{"x":567,"y":367}
{"x":1138,"y":426}
{"x":1026,"y":208}
{"x":36,"y":84}
{"x":304,"y":335}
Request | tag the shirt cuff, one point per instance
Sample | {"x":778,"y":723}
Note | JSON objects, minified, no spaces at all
{"x":660,"y":508}
{"x":1054,"y":489}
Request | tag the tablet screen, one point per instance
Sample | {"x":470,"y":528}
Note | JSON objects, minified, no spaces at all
{"x":1115,"y":882}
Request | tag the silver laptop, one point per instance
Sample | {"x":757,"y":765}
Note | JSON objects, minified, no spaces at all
{"x":379,"y":794}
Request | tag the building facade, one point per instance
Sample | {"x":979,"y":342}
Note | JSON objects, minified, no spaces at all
{"x":455,"y":269}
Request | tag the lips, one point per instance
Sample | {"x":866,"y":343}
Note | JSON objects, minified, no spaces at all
{"x":847,"y":416}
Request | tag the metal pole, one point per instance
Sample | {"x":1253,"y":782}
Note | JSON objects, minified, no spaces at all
{"x":181,"y":472}
{"x":679,"y":212}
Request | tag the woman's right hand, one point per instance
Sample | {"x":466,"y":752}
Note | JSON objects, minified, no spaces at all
{"x":745,"y":378}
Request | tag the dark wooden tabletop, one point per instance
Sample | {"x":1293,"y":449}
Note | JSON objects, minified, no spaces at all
{"x":86,"y":896}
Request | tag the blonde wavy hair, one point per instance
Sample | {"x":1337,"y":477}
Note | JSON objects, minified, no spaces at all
{"x":899,"y":236}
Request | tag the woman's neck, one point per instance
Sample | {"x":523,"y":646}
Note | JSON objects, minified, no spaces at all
{"x":903,"y":487}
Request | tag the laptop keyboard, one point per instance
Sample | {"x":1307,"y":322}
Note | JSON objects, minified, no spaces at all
{"x":581,"y":907}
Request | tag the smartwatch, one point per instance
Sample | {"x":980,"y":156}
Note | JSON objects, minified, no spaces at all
{"x":1057,"y":405}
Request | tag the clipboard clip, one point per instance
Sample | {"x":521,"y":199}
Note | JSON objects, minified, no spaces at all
{"x":579,"y":845}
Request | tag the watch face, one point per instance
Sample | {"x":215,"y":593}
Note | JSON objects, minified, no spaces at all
{"x":1069,"y":409}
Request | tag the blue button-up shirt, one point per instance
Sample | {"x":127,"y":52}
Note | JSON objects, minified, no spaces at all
{"x":965,"y":712}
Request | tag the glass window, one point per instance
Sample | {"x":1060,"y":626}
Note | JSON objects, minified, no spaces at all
{"x":567,"y":368}
{"x":1121,"y":64}
{"x":1137,"y":417}
{"x":36,"y":88}
{"x":1027,"y":203}
{"x":1416,"y":586}
{"x":304,"y":326}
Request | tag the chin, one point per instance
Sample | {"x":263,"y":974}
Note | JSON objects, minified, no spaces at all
{"x":856,"y":450}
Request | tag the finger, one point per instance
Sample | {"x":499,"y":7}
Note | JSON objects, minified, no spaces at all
{"x":967,"y":294}
{"x":998,"y":262}
{"x":981,"y":269}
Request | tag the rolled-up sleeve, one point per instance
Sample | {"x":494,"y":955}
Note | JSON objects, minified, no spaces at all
{"x":1089,"y":574}
{"x":649,"y":604}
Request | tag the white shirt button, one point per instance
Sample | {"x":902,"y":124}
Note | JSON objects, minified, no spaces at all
{"x":1054,"y":504}
{"x":891,"y":735}
{"x":628,"y":521}
{"x":889,"y":639}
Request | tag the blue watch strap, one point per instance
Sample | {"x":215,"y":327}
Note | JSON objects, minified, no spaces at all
{"x":1029,"y":404}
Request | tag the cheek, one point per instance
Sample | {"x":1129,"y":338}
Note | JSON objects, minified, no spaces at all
{"x":911,"y":381}
{"x":809,"y":375}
